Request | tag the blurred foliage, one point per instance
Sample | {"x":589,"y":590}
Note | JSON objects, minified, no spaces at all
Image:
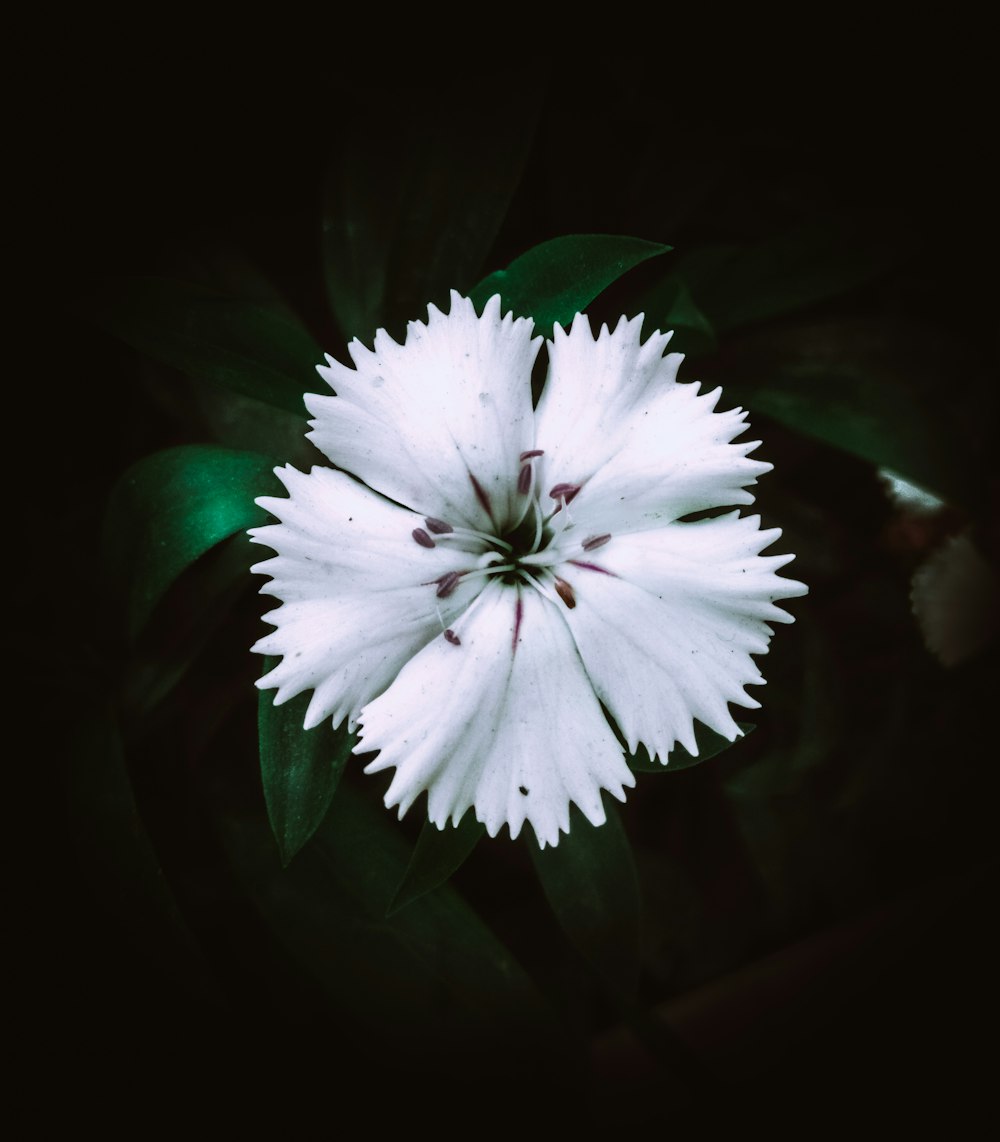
{"x":816,"y":299}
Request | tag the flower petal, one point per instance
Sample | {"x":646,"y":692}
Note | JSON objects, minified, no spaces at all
{"x":516,"y":732}
{"x":667,"y":631}
{"x":357,"y":591}
{"x":645,"y":450}
{"x":425,"y":421}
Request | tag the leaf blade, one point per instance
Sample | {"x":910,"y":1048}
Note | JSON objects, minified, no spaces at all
{"x":170,"y":508}
{"x":438,"y":853}
{"x":245,"y":346}
{"x":591,"y":884}
{"x":556,"y":279}
{"x":300,"y":769}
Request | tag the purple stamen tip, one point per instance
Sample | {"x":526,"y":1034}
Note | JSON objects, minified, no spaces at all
{"x":447,"y":583}
{"x":531,"y":454}
{"x":452,"y":637}
{"x":438,"y":526}
{"x":524,"y":480}
{"x":565,"y":592}
{"x":423,"y":538}
{"x":595,"y":541}
{"x":564,"y":492}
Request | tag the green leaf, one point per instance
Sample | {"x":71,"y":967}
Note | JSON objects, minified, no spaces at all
{"x":438,"y":854}
{"x":709,"y":745}
{"x":670,"y":306}
{"x":557,"y":279}
{"x":300,"y":768}
{"x":251,"y":348}
{"x":738,"y":285}
{"x":590,"y":882}
{"x":170,"y":508}
{"x":410,"y":215}
{"x":176,"y":636}
{"x":862,"y":409}
{"x":430,"y":978}
{"x":117,"y":859}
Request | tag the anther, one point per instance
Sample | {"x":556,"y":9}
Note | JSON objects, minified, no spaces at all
{"x":564,"y":492}
{"x":531,"y":454}
{"x":438,"y":526}
{"x":453,"y":638}
{"x":447,"y":583}
{"x":595,"y":541}
{"x":565,"y":592}
{"x":524,"y":480}
{"x":423,"y":538}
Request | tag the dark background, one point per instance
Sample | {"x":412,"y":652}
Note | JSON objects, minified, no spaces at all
{"x":872,"y":991}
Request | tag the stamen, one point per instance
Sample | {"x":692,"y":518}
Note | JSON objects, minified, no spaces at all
{"x":565,"y":592}
{"x":564,"y":492}
{"x":447,"y":583}
{"x":524,"y":480}
{"x":422,"y":537}
{"x":595,"y":541}
{"x":464,"y":534}
{"x":531,"y":454}
{"x":438,"y":526}
{"x":453,"y":638}
{"x":539,"y":524}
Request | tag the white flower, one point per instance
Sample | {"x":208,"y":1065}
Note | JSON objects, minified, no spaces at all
{"x":503,"y":571}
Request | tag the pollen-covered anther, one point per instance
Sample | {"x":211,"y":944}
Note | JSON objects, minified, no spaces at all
{"x":531,"y":454}
{"x":564,"y":492}
{"x":438,"y":526}
{"x":524,"y":480}
{"x":565,"y":592}
{"x":595,"y":541}
{"x":447,"y":583}
{"x":423,"y":538}
{"x":451,"y":637}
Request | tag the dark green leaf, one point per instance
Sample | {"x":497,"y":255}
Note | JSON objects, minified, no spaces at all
{"x":431,"y":976}
{"x":438,"y":853}
{"x":116,"y":857}
{"x":740,"y":285}
{"x":861,"y":408}
{"x":412,"y":214}
{"x":300,"y":768}
{"x":558,"y":279}
{"x":590,"y":882}
{"x":170,"y":508}
{"x":176,"y":635}
{"x":670,"y":306}
{"x":709,"y":745}
{"x":245,"y":346}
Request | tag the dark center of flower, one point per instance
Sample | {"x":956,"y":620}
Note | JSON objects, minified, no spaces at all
{"x":526,"y":552}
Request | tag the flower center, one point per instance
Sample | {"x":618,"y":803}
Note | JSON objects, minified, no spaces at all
{"x":525,"y":552}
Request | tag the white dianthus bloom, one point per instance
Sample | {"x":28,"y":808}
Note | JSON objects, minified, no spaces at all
{"x":502,"y":571}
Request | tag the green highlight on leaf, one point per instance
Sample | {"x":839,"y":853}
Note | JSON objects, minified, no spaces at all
{"x":300,"y":769}
{"x":437,"y":855}
{"x":172,"y":507}
{"x":241,"y":345}
{"x":557,"y":279}
{"x":710,"y":744}
{"x":590,"y":882}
